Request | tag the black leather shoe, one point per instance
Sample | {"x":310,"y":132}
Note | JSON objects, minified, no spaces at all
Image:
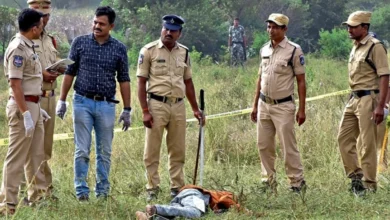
{"x":357,"y":187}
{"x":299,"y":189}
{"x":83,"y":198}
{"x":152,"y":194}
{"x":174,"y":192}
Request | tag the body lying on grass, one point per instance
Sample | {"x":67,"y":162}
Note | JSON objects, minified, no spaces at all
{"x":191,"y":202}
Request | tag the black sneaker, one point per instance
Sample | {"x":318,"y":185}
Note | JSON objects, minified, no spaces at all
{"x":299,"y":189}
{"x":152,"y":194}
{"x":83,"y":198}
{"x":357,"y":187}
{"x":174,"y":192}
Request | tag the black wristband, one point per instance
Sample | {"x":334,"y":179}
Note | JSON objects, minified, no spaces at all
{"x":127,"y":109}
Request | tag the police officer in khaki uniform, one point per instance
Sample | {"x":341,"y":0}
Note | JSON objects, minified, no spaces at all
{"x":45,"y":47}
{"x":165,"y":66}
{"x":381,"y":133}
{"x":274,"y":106}
{"x":369,"y":79}
{"x":25,"y":117}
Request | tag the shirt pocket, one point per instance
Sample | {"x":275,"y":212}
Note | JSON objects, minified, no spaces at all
{"x":159,"y":69}
{"x":265,"y":65}
{"x":180,"y":68}
{"x":282,"y":67}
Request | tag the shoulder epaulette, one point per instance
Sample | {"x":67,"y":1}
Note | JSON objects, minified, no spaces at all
{"x":368,"y":60}
{"x":53,"y":40}
{"x":151,"y":44}
{"x":181,"y":45}
{"x":294,"y":44}
{"x":186,"y":48}
{"x":268,"y":42}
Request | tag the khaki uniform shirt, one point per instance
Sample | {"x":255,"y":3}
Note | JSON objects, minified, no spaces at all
{"x":47,"y":55}
{"x":277,"y":76}
{"x":361,"y":75}
{"x":20,"y":62}
{"x":166,"y":70}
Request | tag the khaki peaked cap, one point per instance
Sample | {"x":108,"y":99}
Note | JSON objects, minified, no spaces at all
{"x":358,"y":17}
{"x":279,"y":19}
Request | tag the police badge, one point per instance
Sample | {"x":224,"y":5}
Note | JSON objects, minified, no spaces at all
{"x":18,"y":61}
{"x":140,"y":59}
{"x":302,"y":59}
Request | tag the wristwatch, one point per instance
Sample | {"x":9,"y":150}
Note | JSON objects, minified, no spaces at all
{"x":127,"y":109}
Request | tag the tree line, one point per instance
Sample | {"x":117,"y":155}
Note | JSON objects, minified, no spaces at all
{"x":314,"y":24}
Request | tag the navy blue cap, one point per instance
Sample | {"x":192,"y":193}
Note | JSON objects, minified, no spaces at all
{"x":373,"y":34}
{"x":172,"y":22}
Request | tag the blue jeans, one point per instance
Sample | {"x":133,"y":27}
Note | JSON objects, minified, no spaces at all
{"x":100,"y":115}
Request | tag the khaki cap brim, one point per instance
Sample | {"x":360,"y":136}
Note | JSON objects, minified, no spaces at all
{"x":45,"y":10}
{"x":276,"y":22}
{"x":351,"y":23}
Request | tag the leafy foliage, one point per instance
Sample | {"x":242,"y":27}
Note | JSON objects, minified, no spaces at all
{"x":335,"y":43}
{"x":7,"y":26}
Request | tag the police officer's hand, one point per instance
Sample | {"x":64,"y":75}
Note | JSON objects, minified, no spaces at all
{"x":377,"y":115}
{"x":254,"y":114}
{"x":148,"y":119}
{"x":45,"y":116}
{"x":198,"y":115}
{"x":28,"y":124}
{"x":125,"y":117}
{"x":300,"y":117}
{"x":61,"y":109}
{"x":386,"y":113}
{"x":49,"y":76}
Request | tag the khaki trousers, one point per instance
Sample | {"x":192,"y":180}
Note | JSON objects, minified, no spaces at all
{"x":278,"y":119}
{"x":381,"y":132}
{"x":357,"y":121}
{"x":171,"y":117}
{"x":23,"y":152}
{"x":49,"y":105}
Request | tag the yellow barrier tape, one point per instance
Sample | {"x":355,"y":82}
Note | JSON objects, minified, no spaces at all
{"x":67,"y":136}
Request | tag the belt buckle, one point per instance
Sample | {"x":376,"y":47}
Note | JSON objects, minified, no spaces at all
{"x":169,"y":100}
{"x":355,"y":95}
{"x":268,"y":100}
{"x":95,"y":97}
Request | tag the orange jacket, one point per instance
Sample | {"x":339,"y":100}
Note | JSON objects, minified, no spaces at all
{"x":218,"y":199}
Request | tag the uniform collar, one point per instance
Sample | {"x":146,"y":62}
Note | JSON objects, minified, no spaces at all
{"x":27,"y":41}
{"x":44,"y":34}
{"x":161,"y":44}
{"x":364,"y":41}
{"x":281,"y":44}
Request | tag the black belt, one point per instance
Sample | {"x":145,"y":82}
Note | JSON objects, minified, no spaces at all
{"x":164,"y":98}
{"x":268,"y":100}
{"x":100,"y":98}
{"x":237,"y":42}
{"x":361,"y":93}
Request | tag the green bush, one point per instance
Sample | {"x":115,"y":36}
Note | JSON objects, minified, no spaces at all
{"x":63,"y":49}
{"x":195,"y":55}
{"x":259,"y":39}
{"x":335,"y":43}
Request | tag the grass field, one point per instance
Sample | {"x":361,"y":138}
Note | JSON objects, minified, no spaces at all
{"x":232,"y":161}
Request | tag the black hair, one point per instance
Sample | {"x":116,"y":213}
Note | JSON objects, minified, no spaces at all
{"x":107,"y":11}
{"x":236,"y":19}
{"x":28,"y":18}
{"x":366,"y":24}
